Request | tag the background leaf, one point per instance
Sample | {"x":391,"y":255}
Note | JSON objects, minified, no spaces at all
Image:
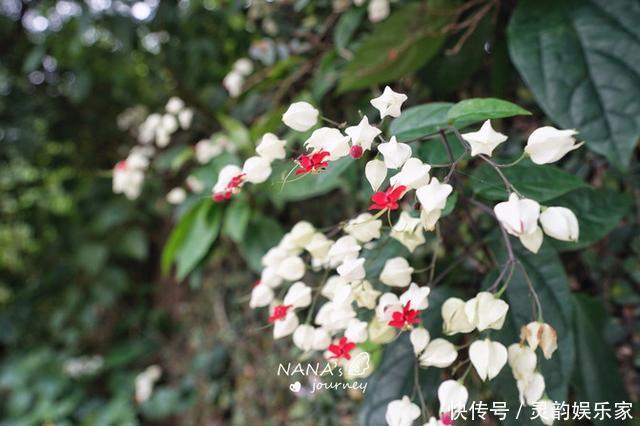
{"x":480,"y":109}
{"x":579,"y":58}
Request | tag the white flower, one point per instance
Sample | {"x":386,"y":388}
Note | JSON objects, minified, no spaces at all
{"x":485,"y":140}
{"x":176,"y":195}
{"x":300,"y":116}
{"x":256,"y":169}
{"x":395,"y":154}
{"x":365,"y":295}
{"x":396,"y":272}
{"x":487,"y":358}
{"x":274,"y":256}
{"x":168,"y":124}
{"x":319,"y":246}
{"x":429,"y":219}
{"x":145,"y":382}
{"x":548,"y":144}
{"x":330,"y":140}
{"x":531,"y":388}
{"x":387,"y":305}
{"x":233,"y":83}
{"x":291,"y":268}
{"x":127,"y":180}
{"x":301,"y":234}
{"x":454,"y":317}
{"x":419,"y":338}
{"x":261,"y":295}
{"x":375,"y":172}
{"x":243,"y":66}
{"x":413,"y":175}
{"x":401,"y":412}
{"x":271,"y":148}
{"x":532,"y":241}
{"x":486,"y":311}
{"x":298,"y":295}
{"x":389,"y":103}
{"x":206,"y":150}
{"x":363,"y":134}
{"x":546,"y":410}
{"x":225,"y":175}
{"x":439,"y":353}
{"x":518,"y":216}
{"x":418,"y":296}
{"x":308,"y":338}
{"x":356,"y":331}
{"x":185,"y":117}
{"x":194,"y":184}
{"x":408,"y":231}
{"x":378,"y":10}
{"x":380,"y":332}
{"x":174,"y":105}
{"x":364,"y":228}
{"x":335,"y":316}
{"x":335,"y":284}
{"x":345,"y":247}
{"x":269,"y":277}
{"x":434,"y":195}
{"x":560,"y":223}
{"x":285,"y":326}
{"x":542,"y":334}
{"x":522,"y":360}
{"x":352,"y":269}
{"x":452,"y":396}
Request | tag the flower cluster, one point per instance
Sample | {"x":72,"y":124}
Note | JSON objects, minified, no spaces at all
{"x":234,"y":80}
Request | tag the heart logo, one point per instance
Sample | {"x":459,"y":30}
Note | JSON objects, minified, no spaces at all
{"x":295,"y":387}
{"x":359,"y":365}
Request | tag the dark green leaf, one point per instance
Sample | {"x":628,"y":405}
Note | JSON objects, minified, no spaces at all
{"x":598,"y":212}
{"x":480,"y":109}
{"x":236,"y":218}
{"x":265,"y":234}
{"x":420,"y":120}
{"x":539,"y":182}
{"x":346,"y":27}
{"x":401,"y":44}
{"x":596,"y":376}
{"x":579,"y":57}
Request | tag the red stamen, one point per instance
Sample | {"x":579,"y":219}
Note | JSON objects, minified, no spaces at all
{"x":312,"y":163}
{"x":341,"y":349}
{"x":388,"y":199}
{"x":405,"y":318}
{"x":279,"y":312}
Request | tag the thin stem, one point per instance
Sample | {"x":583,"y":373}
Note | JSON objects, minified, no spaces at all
{"x":335,"y":123}
{"x":434,"y":256}
{"x":532,"y":290}
{"x":447,"y":147}
{"x":416,"y":383}
{"x":507,"y":184}
{"x":513,"y":163}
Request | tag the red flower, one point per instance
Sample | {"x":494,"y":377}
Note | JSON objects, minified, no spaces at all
{"x":388,"y":199}
{"x":312,"y":163}
{"x":404,"y":318}
{"x":342,"y":349}
{"x":279,"y":312}
{"x":232,"y":187}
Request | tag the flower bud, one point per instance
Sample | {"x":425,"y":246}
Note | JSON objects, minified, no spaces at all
{"x":298,"y":295}
{"x":417,"y":296}
{"x":531,"y":388}
{"x":256,"y":169}
{"x":300,"y":116}
{"x":401,"y":412}
{"x":271,"y":148}
{"x":176,"y":195}
{"x":352,"y":270}
{"x":291,"y":269}
{"x":452,"y":396}
{"x":356,"y":151}
{"x":285,"y":326}
{"x":345,"y":247}
{"x":378,"y":10}
{"x":560,"y":223}
{"x":454,"y":317}
{"x":396,"y":272}
{"x":364,"y":228}
{"x":375,"y":172}
{"x":518,"y":216}
{"x":486,"y":311}
{"x":419,"y":339}
{"x":307,"y":338}
{"x":414,"y":174}
{"x":485,"y":140}
{"x":539,"y":333}
{"x":487,"y":358}
{"x":356,"y":331}
{"x":395,"y":154}
{"x":522,"y":360}
{"x":329,"y":140}
{"x":439,"y":353}
{"x":261,"y":295}
{"x":548,"y":144}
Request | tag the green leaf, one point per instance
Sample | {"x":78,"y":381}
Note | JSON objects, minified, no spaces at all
{"x":539,"y":182}
{"x":296,"y":188}
{"x":265,"y":234}
{"x":236,"y":218}
{"x":420,"y":120}
{"x":480,"y":109}
{"x":400,"y":45}
{"x":598,"y":212}
{"x":235,"y":130}
{"x":346,"y":27}
{"x":192,"y":237}
{"x":579,"y":57}
{"x":596,"y":377}
{"x":548,"y":278}
{"x":134,"y":244}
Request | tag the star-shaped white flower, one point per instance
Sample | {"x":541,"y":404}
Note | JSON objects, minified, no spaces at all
{"x":485,"y":140}
{"x":363,"y":134}
{"x":389,"y":103}
{"x":395,"y":154}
